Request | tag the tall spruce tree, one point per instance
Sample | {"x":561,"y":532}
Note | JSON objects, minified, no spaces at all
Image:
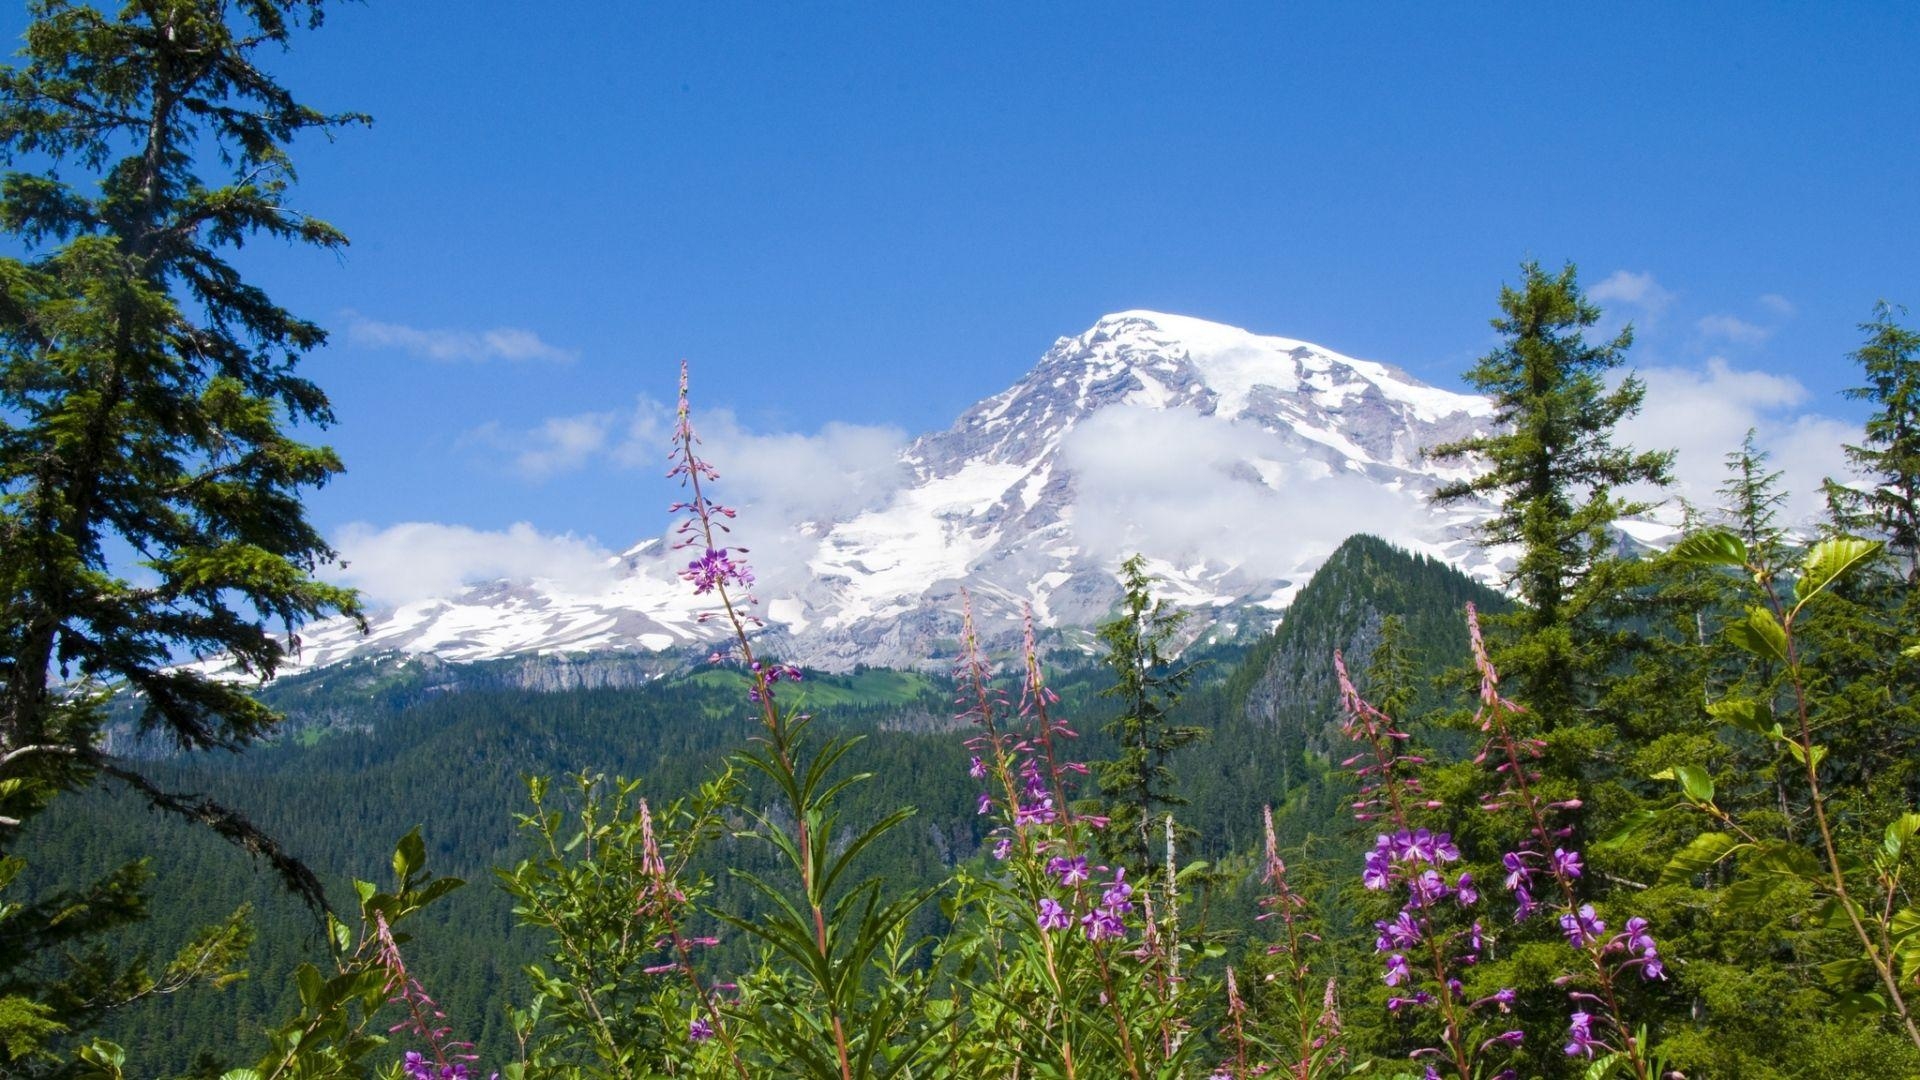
{"x":1554,"y":467}
{"x":149,"y":483}
{"x":1137,"y":783}
{"x":1889,"y":457}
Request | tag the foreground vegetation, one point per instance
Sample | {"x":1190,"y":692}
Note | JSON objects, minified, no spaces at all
{"x":1657,"y":819}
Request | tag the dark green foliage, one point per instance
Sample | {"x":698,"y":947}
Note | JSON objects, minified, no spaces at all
{"x":1556,"y":473}
{"x":149,"y":484}
{"x":150,"y":487}
{"x":1137,"y":785}
{"x":1890,"y":457}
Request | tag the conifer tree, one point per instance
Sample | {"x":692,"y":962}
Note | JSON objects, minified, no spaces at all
{"x":1137,"y":783}
{"x":1890,"y":455}
{"x":1752,"y":499}
{"x":1557,"y":473}
{"x":149,"y":481}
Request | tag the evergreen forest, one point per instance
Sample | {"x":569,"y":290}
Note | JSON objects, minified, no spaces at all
{"x":1641,"y":812}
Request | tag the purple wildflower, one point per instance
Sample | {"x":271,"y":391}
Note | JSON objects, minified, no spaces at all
{"x":1070,"y":871}
{"x":1566,"y":863}
{"x":1103,"y":923}
{"x":1505,"y":1038}
{"x":1377,"y":874}
{"x":699,"y":1031}
{"x":1053,"y":916}
{"x":1397,"y":970}
{"x":716,"y":568}
{"x":1580,"y":1038}
{"x":1519,"y":875}
{"x":1427,"y":889}
{"x":1582,"y":926}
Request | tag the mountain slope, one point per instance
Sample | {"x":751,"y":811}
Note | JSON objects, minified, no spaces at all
{"x":1234,"y":461}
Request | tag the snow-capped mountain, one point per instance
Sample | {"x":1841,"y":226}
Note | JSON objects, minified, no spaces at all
{"x":1235,"y":462}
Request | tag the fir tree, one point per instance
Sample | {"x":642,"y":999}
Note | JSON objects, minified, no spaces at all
{"x":149,"y":485}
{"x":1137,"y":784}
{"x":1890,"y":455}
{"x":1752,"y":500}
{"x":1554,"y":467}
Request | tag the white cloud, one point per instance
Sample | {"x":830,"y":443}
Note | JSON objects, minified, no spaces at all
{"x":501,"y":343}
{"x":781,"y":480}
{"x":775,"y":480}
{"x":1779,"y":305}
{"x":1704,"y":414}
{"x":1182,"y":487}
{"x":1732,"y":328}
{"x":560,"y":444}
{"x":1628,"y":287}
{"x":416,"y":560}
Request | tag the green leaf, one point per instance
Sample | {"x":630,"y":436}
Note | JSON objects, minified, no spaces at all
{"x":1695,"y":782}
{"x":1800,"y":752}
{"x":1743,"y":713}
{"x":1635,"y":823}
{"x":409,"y":855}
{"x":1790,"y":859}
{"x":1604,"y":1066}
{"x":1714,"y":547}
{"x":1827,"y":560}
{"x":307,"y":978}
{"x":1899,"y":832}
{"x":1698,"y":857}
{"x":1760,"y":634}
{"x":1750,"y":892}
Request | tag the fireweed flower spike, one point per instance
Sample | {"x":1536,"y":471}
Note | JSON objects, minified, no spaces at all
{"x":1422,"y":944}
{"x":424,"y":1018}
{"x":1546,"y":862}
{"x":717,"y":570}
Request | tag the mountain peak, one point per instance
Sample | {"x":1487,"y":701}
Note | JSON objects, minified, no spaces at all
{"x":1239,"y":366}
{"x":1276,"y":449}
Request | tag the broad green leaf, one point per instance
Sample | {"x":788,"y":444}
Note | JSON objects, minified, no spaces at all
{"x":1750,"y":892}
{"x":1695,"y":781}
{"x":1851,"y":1006}
{"x":1783,"y":857}
{"x":409,"y":855}
{"x":1635,"y":823}
{"x":1714,"y":547}
{"x":307,"y":979}
{"x":1905,"y":921}
{"x":1827,"y":560}
{"x":1743,"y":713}
{"x":1604,"y":1066}
{"x":1760,"y":634}
{"x":1899,"y":832}
{"x":1800,"y":753}
{"x":1846,"y":972}
{"x":1698,"y":857}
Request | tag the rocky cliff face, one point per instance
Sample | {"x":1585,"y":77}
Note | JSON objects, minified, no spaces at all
{"x":1235,"y":462}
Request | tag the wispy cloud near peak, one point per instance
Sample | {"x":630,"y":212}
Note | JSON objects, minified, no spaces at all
{"x":508,"y":343}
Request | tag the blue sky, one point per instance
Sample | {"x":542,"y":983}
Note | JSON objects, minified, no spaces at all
{"x":878,"y":214}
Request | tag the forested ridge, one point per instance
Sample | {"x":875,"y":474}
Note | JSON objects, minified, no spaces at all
{"x":382,"y":746}
{"x":1640,"y":813}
